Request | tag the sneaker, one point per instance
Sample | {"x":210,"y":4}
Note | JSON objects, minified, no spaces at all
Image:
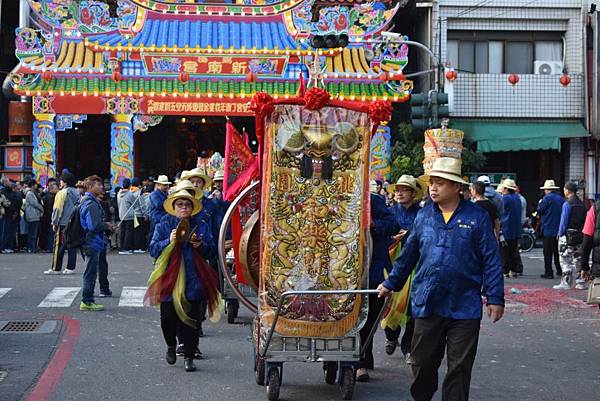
{"x":179,"y":350}
{"x":105,"y":294}
{"x":580,"y":281}
{"x":170,"y":356}
{"x":408,"y":359}
{"x":125,"y":253}
{"x":581,"y":286}
{"x":390,"y":346}
{"x":562,"y":286}
{"x":50,"y":271}
{"x":8,"y":251}
{"x":68,"y":271}
{"x":512,"y":274}
{"x":90,"y":306}
{"x":139,"y":251}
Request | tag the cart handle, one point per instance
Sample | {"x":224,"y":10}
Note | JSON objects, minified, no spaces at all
{"x":221,"y":248}
{"x":286,"y":294}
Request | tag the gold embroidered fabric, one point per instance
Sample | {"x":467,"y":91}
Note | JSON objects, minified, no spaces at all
{"x":315,"y":218}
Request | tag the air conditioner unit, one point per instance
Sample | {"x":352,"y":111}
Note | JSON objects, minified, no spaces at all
{"x":548,"y":67}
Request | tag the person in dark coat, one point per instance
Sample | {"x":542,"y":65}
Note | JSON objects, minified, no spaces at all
{"x":383,"y":226}
{"x":510,"y":222}
{"x":549,"y":209}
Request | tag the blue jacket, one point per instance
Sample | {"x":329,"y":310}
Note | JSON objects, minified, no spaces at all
{"x":160,"y":240}
{"x":91,"y":216}
{"x":157,"y":210}
{"x":453,"y":261}
{"x":510,"y":221}
{"x":549,"y":209}
{"x":495,"y":197}
{"x":220,"y":208}
{"x":405,"y":217}
{"x":384,"y":226}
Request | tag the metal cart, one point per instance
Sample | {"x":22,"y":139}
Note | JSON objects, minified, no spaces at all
{"x":338,"y":355}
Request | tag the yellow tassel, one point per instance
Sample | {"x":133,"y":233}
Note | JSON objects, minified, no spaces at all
{"x":218,"y":311}
{"x":136,"y":223}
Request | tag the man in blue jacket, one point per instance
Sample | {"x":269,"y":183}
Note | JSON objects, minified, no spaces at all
{"x":510,"y":222}
{"x":91,"y":216}
{"x":455,"y":253}
{"x":157,"y":198}
{"x":549,"y":210}
{"x":383,"y":226}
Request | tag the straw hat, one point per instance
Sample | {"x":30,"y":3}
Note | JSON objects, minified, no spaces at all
{"x":407,"y":181}
{"x":162,"y":179}
{"x":549,"y":184}
{"x":197,"y":172}
{"x":499,"y":189}
{"x":219,"y":175}
{"x":184,"y":175}
{"x":447,"y":168}
{"x":181,"y":194}
{"x":185,"y":185}
{"x":510,"y":184}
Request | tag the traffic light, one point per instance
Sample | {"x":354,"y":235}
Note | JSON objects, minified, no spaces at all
{"x":439,"y":108}
{"x":428,"y":109}
{"x":420,"y":111}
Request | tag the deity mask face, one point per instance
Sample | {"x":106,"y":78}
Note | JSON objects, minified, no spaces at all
{"x":317,"y":144}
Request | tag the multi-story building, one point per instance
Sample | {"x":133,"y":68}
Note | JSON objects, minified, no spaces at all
{"x":519,"y":92}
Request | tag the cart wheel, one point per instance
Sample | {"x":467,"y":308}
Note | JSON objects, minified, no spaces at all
{"x":347,"y":384}
{"x":330,"y":372}
{"x":259,"y":370}
{"x":273,"y":385}
{"x":232,"y":311}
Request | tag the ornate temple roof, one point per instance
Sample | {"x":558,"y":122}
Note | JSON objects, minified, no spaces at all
{"x":204,"y":34}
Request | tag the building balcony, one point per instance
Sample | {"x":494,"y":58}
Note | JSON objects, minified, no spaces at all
{"x":534,"y":96}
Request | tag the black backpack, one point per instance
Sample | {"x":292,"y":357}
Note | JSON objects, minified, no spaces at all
{"x":74,"y":232}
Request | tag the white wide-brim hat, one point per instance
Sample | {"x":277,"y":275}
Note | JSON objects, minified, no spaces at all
{"x":162,"y":179}
{"x":510,"y":184}
{"x":549,"y":184}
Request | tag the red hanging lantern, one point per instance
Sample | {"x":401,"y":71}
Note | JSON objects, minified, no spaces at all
{"x":184,"y":76}
{"x":513,"y":79}
{"x":451,"y":75}
{"x":565,"y":80}
{"x":47,"y":76}
{"x":116,"y":76}
{"x":251,"y":77}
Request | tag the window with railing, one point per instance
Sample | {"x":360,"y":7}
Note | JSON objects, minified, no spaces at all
{"x":491,"y":52}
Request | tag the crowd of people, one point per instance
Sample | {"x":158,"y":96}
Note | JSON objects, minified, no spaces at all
{"x":426,"y":231}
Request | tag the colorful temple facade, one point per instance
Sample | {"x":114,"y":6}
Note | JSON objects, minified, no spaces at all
{"x":139,"y":60}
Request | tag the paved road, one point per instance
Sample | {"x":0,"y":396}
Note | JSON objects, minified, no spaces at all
{"x":546,"y":348}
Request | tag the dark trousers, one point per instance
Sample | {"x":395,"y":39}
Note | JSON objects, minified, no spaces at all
{"x":10,"y":233}
{"x":172,"y":327}
{"x":510,"y":256}
{"x":32,"y":235}
{"x":550,"y":251}
{"x":432,"y":337}
{"x":139,"y":234}
{"x":95,"y":266}
{"x":406,"y":342}
{"x":59,"y":252}
{"x":375,"y":305}
{"x":126,"y":235}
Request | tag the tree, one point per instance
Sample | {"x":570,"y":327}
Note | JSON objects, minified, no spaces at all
{"x":407,"y":153}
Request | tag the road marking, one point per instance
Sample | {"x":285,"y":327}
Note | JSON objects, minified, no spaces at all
{"x":60,"y":297}
{"x":132,"y":296}
{"x":4,"y":291}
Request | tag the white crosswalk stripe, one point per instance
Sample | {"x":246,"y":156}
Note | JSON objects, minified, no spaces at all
{"x":60,"y":297}
{"x":4,"y":291}
{"x":132,"y":296}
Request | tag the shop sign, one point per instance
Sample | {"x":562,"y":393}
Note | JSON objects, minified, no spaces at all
{"x":214,"y":64}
